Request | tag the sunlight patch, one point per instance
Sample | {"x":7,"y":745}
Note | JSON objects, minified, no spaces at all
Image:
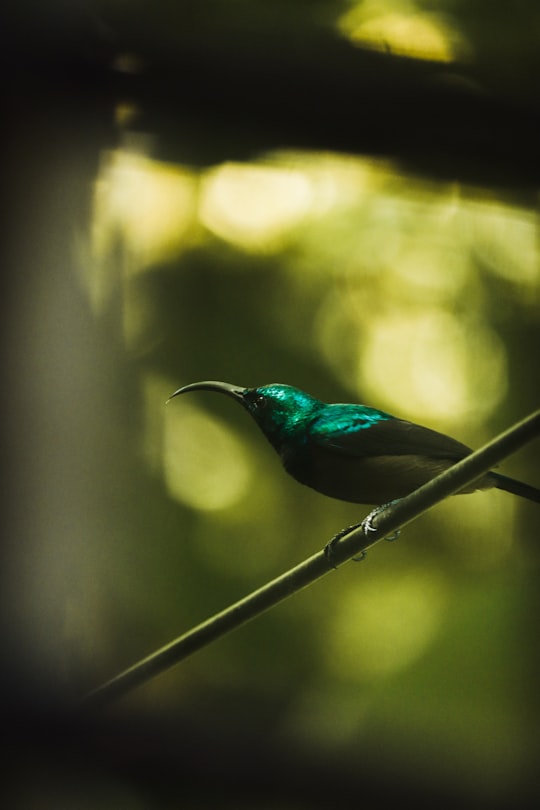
{"x":402,"y":30}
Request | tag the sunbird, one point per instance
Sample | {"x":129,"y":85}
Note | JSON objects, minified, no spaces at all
{"x":353,"y":452}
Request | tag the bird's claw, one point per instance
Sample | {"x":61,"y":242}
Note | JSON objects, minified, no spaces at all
{"x":329,"y":549}
{"x":367,"y":526}
{"x":367,"y":523}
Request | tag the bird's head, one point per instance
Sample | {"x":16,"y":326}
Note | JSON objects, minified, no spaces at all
{"x":281,"y":411}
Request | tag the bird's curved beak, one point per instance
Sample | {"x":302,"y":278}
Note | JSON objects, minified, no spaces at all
{"x":234,"y":391}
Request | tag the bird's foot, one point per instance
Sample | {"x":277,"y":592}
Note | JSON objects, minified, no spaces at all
{"x":329,"y":549}
{"x":367,"y":523}
{"x":367,"y":526}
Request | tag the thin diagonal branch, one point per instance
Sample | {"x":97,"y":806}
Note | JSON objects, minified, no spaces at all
{"x":353,"y":543}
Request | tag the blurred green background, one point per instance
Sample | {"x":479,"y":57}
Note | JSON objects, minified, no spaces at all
{"x":159,"y":238}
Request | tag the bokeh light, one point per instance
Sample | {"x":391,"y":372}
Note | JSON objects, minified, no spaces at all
{"x":442,"y":368}
{"x":205,"y":465}
{"x":403,"y":29}
{"x":254,"y":207}
{"x":145,"y":206}
{"x":382,"y":627}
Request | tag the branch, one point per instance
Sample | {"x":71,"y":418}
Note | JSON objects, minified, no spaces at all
{"x":389,"y":520}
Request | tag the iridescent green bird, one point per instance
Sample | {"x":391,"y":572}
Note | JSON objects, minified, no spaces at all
{"x":353,"y":452}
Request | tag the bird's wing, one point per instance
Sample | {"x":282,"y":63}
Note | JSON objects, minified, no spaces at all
{"x":366,"y":432}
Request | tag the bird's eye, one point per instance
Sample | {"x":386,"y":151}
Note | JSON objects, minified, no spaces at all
{"x":260,"y":401}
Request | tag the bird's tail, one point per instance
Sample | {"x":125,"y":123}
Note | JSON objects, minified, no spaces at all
{"x":516,"y":487}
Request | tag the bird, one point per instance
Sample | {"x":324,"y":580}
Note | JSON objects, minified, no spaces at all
{"x":353,"y":452}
